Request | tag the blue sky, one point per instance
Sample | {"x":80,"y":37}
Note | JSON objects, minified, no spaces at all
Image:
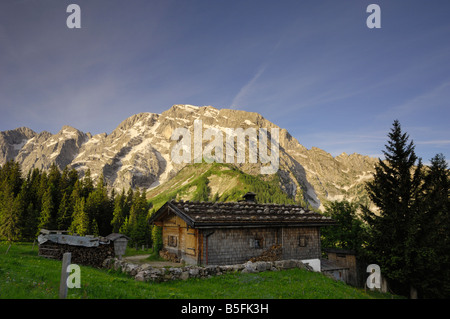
{"x":312,"y":67}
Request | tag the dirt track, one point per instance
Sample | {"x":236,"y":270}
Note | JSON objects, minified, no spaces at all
{"x":141,"y":259}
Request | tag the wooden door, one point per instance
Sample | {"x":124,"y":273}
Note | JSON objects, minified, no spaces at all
{"x":191,"y":242}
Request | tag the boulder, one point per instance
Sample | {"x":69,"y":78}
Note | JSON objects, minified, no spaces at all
{"x":184,"y":275}
{"x":249,"y":267}
{"x":140,"y":276}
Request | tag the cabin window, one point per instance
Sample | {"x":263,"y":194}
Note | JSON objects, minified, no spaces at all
{"x":256,"y":243}
{"x":172,"y":241}
{"x":302,"y":241}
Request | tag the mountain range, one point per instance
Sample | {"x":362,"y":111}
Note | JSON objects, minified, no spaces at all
{"x":137,"y":154}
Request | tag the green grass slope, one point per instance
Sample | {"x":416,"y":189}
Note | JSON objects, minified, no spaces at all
{"x":24,"y":275}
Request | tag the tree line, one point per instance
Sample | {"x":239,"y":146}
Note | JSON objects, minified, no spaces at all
{"x":408,"y":235}
{"x":58,"y":200}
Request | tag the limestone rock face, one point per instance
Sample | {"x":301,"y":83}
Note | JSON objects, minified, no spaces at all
{"x":138,"y":153}
{"x":12,"y":141}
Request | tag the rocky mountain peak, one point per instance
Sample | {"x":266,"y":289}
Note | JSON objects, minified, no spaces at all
{"x":138,"y":153}
{"x":12,"y":141}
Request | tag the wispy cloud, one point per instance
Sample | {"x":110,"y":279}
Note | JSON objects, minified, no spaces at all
{"x":434,"y":142}
{"x":435,"y":98}
{"x":247,"y":87}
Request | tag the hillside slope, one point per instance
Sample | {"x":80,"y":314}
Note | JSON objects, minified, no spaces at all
{"x":219,"y":182}
{"x":25,"y":275}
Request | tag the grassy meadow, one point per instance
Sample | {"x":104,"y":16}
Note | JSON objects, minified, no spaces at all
{"x":24,"y":275}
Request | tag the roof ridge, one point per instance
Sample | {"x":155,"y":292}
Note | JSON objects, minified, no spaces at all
{"x":244,"y":214}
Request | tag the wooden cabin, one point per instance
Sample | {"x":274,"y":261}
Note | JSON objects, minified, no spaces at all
{"x":225,"y":233}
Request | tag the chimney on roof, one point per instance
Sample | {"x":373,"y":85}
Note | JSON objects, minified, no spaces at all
{"x":250,"y":197}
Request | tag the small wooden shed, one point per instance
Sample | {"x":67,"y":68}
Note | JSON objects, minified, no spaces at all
{"x":221,"y":233}
{"x":344,"y":265}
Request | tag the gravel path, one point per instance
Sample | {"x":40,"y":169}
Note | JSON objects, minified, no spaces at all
{"x":140,"y":259}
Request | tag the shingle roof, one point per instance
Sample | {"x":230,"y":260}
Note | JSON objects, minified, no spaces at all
{"x":241,"y":214}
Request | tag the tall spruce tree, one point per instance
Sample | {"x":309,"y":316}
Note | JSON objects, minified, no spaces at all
{"x":11,"y":174}
{"x":46,"y":219}
{"x":432,"y":253}
{"x":137,"y":226}
{"x":65,"y":211}
{"x":87,"y":184}
{"x":98,"y":209}
{"x":80,"y":223}
{"x":118,"y":213}
{"x":10,"y":214}
{"x":395,"y":190}
{"x":105,"y":211}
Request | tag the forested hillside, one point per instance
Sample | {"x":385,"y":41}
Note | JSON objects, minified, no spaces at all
{"x":66,"y":201}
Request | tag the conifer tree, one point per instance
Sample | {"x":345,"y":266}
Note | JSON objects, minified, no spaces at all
{"x":137,"y":227}
{"x":68,"y":180}
{"x":118,"y":213}
{"x":11,"y":174}
{"x":104,"y":214}
{"x":30,"y":222}
{"x":432,"y":254}
{"x":10,"y":211}
{"x":80,"y":221}
{"x":65,"y":211}
{"x":33,"y":184}
{"x":395,"y":190}
{"x":42,"y":188}
{"x":46,"y":218}
{"x":29,"y":215}
{"x":77,"y":192}
{"x":128,"y":202}
{"x":87,"y":184}
{"x":348,"y":233}
{"x":125,"y":228}
{"x":94,"y":228}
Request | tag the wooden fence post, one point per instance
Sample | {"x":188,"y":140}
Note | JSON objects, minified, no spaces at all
{"x":63,"y":283}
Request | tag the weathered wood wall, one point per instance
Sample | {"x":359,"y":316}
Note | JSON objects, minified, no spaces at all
{"x":301,"y":243}
{"x":180,"y":240}
{"x":347,"y":259}
{"x":238,"y":245}
{"x":226,"y":246}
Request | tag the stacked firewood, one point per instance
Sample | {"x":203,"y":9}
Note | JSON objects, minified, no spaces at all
{"x":274,"y":253}
{"x":89,"y":256}
{"x":169,"y":256}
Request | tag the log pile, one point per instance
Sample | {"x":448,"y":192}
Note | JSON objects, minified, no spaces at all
{"x":169,"y":256}
{"x":274,"y":253}
{"x":89,"y":256}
